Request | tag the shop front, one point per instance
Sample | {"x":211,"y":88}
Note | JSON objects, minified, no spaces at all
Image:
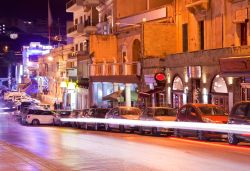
{"x":108,"y":94}
{"x":236,"y":71}
{"x":219,"y":92}
{"x":177,"y":92}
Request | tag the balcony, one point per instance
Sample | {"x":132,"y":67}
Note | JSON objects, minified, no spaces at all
{"x":75,"y":30}
{"x":86,"y":28}
{"x":115,"y":69}
{"x":89,"y":3}
{"x":71,"y":65}
{"x":198,"y":6}
{"x":72,"y":56}
{"x":74,"y":5}
{"x":151,"y":15}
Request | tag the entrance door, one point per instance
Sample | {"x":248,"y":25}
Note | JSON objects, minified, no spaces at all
{"x":221,"y":100}
{"x":196,"y":94}
{"x":245,"y":91}
{"x":177,"y":99}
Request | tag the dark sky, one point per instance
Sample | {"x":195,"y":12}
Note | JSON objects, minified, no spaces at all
{"x":32,"y":9}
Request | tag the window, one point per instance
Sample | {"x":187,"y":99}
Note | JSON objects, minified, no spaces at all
{"x":243,"y":33}
{"x":47,"y":113}
{"x":81,"y":46}
{"x":81,"y":20}
{"x":201,"y":27}
{"x":241,"y":109}
{"x":185,"y":37}
{"x":76,"y":21}
{"x":183,"y":112}
{"x":76,"y":48}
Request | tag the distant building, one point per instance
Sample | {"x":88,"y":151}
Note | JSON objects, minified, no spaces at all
{"x":30,"y":58}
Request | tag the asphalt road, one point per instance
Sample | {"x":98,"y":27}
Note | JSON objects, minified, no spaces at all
{"x":58,"y":148}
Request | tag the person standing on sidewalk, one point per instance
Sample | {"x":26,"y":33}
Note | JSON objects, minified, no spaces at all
{"x":55,"y":106}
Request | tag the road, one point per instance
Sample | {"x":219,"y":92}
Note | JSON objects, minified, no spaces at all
{"x":58,"y":148}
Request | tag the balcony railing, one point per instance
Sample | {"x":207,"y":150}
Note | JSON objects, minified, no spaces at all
{"x":112,"y":69}
{"x":74,"y":5}
{"x":198,"y":6}
{"x":154,"y":14}
{"x":86,"y":27}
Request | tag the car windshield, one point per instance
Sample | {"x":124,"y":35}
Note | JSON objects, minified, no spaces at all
{"x":212,"y":110}
{"x":130,"y":111}
{"x":165,"y":112}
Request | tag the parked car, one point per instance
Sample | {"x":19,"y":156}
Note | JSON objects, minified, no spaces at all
{"x":157,"y":114}
{"x":75,"y":114}
{"x":240,"y":114}
{"x":7,"y":106}
{"x":122,"y":112}
{"x":82,"y":114}
{"x":38,"y":116}
{"x":206,"y":113}
{"x":59,"y":114}
{"x":96,"y":113}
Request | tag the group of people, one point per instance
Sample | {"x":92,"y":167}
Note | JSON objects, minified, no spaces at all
{"x":58,"y":105}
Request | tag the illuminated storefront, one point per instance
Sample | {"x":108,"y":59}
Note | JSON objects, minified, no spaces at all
{"x":30,"y":57}
{"x":178,"y":92}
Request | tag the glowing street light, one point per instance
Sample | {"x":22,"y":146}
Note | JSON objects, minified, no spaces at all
{"x":50,"y":58}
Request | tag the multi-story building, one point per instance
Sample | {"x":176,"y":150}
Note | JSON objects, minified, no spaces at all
{"x":210,"y":64}
{"x":85,"y":18}
{"x":200,"y":45}
{"x":126,"y":40}
{"x":53,"y":82}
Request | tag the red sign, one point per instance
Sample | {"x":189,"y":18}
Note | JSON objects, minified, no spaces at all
{"x":160,"y":77}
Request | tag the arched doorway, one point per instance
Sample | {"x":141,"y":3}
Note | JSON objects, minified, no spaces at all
{"x":136,"y":50}
{"x":177,"y":92}
{"x":219,"y":92}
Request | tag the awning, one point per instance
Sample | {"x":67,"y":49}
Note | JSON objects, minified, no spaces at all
{"x":150,"y":92}
{"x":119,"y":96}
{"x":115,"y":96}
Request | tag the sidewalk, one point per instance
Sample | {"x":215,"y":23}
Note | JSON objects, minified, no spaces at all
{"x":13,"y":158}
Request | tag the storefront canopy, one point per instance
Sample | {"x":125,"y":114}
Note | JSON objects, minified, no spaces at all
{"x":150,"y":92}
{"x":119,"y":96}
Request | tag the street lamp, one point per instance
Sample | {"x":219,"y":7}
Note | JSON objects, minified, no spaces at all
{"x":50,"y":58}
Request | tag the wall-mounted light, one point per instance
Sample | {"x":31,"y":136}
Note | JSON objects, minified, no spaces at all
{"x":50,"y":58}
{"x":204,"y":78}
{"x":63,"y":84}
{"x":230,"y":80}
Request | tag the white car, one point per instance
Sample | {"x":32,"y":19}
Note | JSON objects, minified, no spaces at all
{"x":39,"y":116}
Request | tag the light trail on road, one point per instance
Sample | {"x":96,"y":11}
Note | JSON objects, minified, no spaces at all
{"x":213,"y":127}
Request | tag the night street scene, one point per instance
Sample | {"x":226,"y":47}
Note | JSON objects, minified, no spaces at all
{"x":124,"y":85}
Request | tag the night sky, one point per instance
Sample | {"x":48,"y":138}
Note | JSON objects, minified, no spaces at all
{"x":32,"y":9}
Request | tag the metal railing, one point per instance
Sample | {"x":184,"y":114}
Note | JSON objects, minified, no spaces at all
{"x":111,"y":69}
{"x":70,"y":4}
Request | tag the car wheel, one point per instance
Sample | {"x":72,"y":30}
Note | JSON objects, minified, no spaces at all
{"x":54,"y":123}
{"x":232,"y":139}
{"x":155,"y":132}
{"x":86,"y":127}
{"x":141,"y":131}
{"x":107,"y":128}
{"x":96,"y":127}
{"x":121,"y":128}
{"x":200,"y":135}
{"x":35,"y":122}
